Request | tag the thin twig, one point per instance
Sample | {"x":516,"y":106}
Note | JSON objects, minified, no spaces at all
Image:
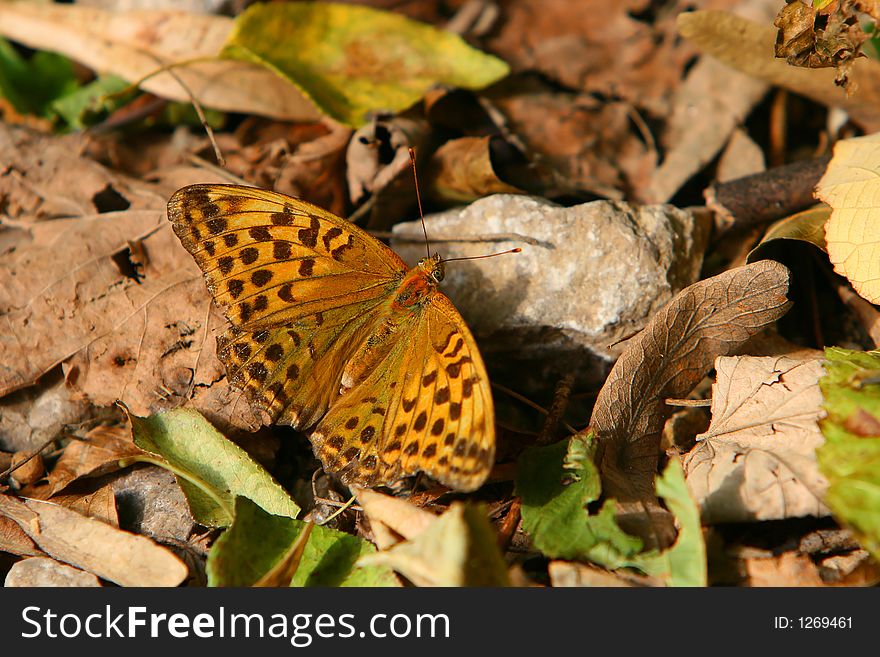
{"x":16,"y":466}
{"x":169,"y":68}
{"x":529,"y":402}
{"x":509,"y":524}
{"x":340,"y":510}
{"x":560,"y":402}
{"x":335,"y":504}
{"x":689,"y":403}
{"x":213,"y":168}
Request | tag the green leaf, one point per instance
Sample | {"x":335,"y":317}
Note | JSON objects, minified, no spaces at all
{"x":257,"y":540}
{"x":31,"y":85}
{"x":683,"y":564}
{"x":211,"y":469}
{"x":557,"y":482}
{"x":352,"y":60}
{"x":554,"y":500}
{"x":850,"y":457}
{"x":459,"y":548}
{"x":89,"y":104}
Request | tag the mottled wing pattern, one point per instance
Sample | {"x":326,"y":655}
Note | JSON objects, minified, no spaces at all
{"x":301,"y":287}
{"x":426,"y":406}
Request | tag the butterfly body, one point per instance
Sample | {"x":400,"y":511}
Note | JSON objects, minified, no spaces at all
{"x":331,"y":330}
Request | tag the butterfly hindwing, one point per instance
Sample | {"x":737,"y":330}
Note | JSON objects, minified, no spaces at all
{"x":292,"y":372}
{"x":425,"y":407}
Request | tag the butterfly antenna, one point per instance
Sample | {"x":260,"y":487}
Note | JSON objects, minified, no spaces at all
{"x":412,"y":159}
{"x":491,"y":255}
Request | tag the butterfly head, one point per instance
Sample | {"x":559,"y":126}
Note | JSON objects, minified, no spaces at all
{"x":433,"y":267}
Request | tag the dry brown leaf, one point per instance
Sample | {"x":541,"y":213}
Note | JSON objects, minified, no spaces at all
{"x":458,"y":548}
{"x":820,"y":38}
{"x":748,"y":47}
{"x":14,"y":541}
{"x":757,"y":461}
{"x":43,"y":571}
{"x":392,"y":519}
{"x":378,"y":170}
{"x":97,"y":453}
{"x":100,"y":504}
{"x":117,"y":299}
{"x":706,"y":108}
{"x":134,"y":44}
{"x":592,"y":145}
{"x":855,"y":568}
{"x":668,"y":358}
{"x":600,"y":48}
{"x":29,"y":467}
{"x":788,"y":569}
{"x":569,"y":574}
{"x":45,"y":177}
{"x":462,"y":170}
{"x":94,"y":546}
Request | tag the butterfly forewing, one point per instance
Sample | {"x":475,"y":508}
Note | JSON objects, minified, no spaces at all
{"x":271,"y":259}
{"x":317,"y":337}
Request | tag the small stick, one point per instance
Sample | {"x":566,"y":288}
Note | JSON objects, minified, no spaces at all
{"x":340,"y":510}
{"x":778,"y":121}
{"x":509,"y":524}
{"x":8,"y":471}
{"x":560,"y":402}
{"x":766,"y":196}
{"x":528,"y":402}
{"x":335,"y":504}
{"x":688,"y":403}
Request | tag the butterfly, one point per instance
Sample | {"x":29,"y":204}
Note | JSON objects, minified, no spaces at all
{"x":330,"y":329}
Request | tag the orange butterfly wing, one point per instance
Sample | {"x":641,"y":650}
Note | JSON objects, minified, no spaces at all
{"x":314,"y":336}
{"x":299,"y":285}
{"x":426,"y":407}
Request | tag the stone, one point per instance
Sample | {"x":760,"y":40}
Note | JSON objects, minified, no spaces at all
{"x":43,"y":571}
{"x":592,"y":275}
{"x":31,"y":416}
{"x":150,"y":502}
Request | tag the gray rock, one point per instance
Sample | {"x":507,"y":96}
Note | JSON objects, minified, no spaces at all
{"x":151,"y":502}
{"x":599,"y":271}
{"x":43,"y":571}
{"x":30,"y":417}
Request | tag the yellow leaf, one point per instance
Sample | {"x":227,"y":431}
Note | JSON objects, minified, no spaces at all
{"x":851,"y":186}
{"x":352,"y":60}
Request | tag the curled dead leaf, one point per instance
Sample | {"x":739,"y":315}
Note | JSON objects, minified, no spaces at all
{"x":668,"y":358}
{"x":99,"y":452}
{"x":463,"y":170}
{"x":821,"y":37}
